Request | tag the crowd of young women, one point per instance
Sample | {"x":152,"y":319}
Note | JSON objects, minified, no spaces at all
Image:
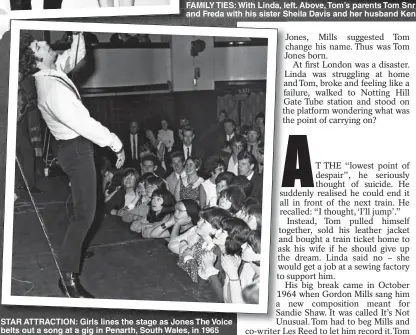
{"x":212,"y":224}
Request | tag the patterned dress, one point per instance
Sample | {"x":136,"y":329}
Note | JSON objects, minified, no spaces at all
{"x":190,"y":191}
{"x":191,"y":266}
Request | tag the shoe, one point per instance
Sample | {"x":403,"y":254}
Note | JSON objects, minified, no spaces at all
{"x":71,"y":286}
{"x":88,"y":254}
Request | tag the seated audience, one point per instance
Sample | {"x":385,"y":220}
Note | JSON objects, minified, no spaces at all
{"x":184,"y":218}
{"x":192,"y":244}
{"x":188,"y":188}
{"x":208,"y":196}
{"x":213,"y":225}
{"x":229,"y":239}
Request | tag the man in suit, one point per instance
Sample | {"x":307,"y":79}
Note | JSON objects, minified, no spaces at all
{"x":178,"y":161}
{"x":132,"y":144}
{"x":246,"y":167}
{"x":187,"y":145}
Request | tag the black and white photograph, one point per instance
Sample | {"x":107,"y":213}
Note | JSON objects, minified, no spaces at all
{"x":139,"y":167}
{"x":20,"y":9}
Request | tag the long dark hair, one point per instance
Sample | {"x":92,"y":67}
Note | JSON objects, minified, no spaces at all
{"x":192,"y":209}
{"x":238,"y":232}
{"x":168,"y":205}
{"x":236,"y":195}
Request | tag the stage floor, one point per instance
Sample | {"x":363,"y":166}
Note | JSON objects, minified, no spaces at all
{"x":125,"y":266}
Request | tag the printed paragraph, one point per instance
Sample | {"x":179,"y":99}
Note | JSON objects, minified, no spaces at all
{"x":334,"y":79}
{"x":353,"y":222}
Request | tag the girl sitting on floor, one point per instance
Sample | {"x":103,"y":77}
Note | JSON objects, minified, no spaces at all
{"x":229,"y":239}
{"x":138,"y":208}
{"x":151,"y":184}
{"x":191,"y":245}
{"x":122,"y":196}
{"x":185,"y":217}
{"x":162,"y":208}
{"x":240,"y":276}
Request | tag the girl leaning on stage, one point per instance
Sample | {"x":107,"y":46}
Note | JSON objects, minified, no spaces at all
{"x":184,"y":218}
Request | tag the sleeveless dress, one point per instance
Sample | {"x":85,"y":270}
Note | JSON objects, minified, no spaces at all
{"x":190,"y":191}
